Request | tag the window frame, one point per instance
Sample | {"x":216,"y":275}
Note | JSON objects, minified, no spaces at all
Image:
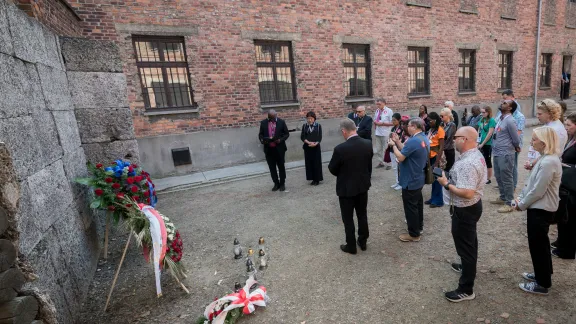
{"x":355,"y":65}
{"x":426,"y":66}
{"x":509,"y":71}
{"x":273,"y":64}
{"x":163,"y":65}
{"x":545,"y":66}
{"x":472,"y":70}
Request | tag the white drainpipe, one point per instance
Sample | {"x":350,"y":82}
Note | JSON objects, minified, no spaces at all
{"x":536,"y":61}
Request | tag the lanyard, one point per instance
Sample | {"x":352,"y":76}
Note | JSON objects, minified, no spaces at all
{"x":501,"y":120}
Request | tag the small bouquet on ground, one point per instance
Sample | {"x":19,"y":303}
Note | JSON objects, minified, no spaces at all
{"x":111,"y":184}
{"x":228,"y":309}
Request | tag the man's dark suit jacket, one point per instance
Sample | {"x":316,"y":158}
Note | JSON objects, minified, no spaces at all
{"x":281,"y":133}
{"x":364,"y":127}
{"x":351,"y":163}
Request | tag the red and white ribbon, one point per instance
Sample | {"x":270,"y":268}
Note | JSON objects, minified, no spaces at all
{"x":159,"y":238}
{"x":244,"y":298}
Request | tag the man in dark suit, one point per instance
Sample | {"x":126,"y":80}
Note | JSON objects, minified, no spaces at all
{"x":363,"y":123}
{"x":351,"y":163}
{"x":273,"y":135}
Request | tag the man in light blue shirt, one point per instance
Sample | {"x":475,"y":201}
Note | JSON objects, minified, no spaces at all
{"x":520,"y":123}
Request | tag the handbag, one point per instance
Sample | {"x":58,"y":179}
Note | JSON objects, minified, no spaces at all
{"x":387,"y":156}
{"x":428,"y":175}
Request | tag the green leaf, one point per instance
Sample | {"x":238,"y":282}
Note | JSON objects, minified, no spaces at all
{"x":95,"y":204}
{"x":84,"y":181}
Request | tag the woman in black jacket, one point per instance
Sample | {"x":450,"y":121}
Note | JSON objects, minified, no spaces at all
{"x":565,"y":246}
{"x":312,"y":136}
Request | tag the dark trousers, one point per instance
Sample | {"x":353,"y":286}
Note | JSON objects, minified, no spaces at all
{"x":464,"y":221}
{"x":347,"y":207}
{"x":539,"y":244}
{"x":567,"y":230}
{"x":414,"y":210}
{"x":450,"y":157}
{"x":313,"y":163}
{"x":275,"y":157}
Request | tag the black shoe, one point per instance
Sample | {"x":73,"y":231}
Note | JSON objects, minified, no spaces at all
{"x":435,"y":206}
{"x":282,"y":187}
{"x":347,"y":249}
{"x":533,"y":287}
{"x":276,"y":187}
{"x":427,"y":202}
{"x":489,"y":182}
{"x":456,"y":267}
{"x":554,"y":244}
{"x":554,"y":253}
{"x":362,"y":246}
{"x":458,"y":296}
{"x":315,"y":183}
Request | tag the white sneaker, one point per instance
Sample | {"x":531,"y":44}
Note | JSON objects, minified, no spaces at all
{"x":398,"y":187}
{"x":394,"y":185}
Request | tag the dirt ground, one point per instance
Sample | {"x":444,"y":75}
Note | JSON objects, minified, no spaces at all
{"x":310,"y":280}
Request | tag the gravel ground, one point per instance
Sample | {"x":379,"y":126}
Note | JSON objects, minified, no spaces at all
{"x":310,"y":280}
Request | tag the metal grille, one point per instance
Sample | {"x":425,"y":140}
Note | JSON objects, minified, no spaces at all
{"x":275,"y":72}
{"x":163,"y":71}
{"x":467,"y":71}
{"x":505,"y":70}
{"x":418,"y":71}
{"x":357,"y":69}
{"x":545,"y":70}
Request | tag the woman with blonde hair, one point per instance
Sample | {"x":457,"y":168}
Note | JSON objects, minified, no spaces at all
{"x":540,"y":198}
{"x":449,"y":130}
{"x":549,"y":113}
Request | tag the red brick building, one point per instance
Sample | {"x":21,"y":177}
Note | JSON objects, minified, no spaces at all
{"x":211,"y":65}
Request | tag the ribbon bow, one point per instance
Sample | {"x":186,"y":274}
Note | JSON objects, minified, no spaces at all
{"x":244,"y":298}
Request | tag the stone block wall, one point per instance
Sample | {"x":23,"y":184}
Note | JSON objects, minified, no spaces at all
{"x":50,"y":120}
{"x":99,"y":96}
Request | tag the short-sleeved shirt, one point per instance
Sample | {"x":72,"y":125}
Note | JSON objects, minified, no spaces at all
{"x":469,"y":172}
{"x":434,"y":137}
{"x":384,"y":116}
{"x":415,"y":151}
{"x":484,"y":128}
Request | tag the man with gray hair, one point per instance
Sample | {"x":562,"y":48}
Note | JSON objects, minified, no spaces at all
{"x":363,"y":123}
{"x":383,"y":126}
{"x":351,"y":163}
{"x":412,"y":156}
{"x":450,"y":105}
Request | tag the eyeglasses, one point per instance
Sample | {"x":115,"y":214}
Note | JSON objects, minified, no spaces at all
{"x":458,"y":136}
{"x":359,"y":111}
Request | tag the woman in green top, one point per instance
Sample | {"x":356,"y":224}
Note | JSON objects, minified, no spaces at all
{"x":486,"y":127}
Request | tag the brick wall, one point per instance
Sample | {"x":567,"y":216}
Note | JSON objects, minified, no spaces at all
{"x":221,"y":53}
{"x":57,"y":15}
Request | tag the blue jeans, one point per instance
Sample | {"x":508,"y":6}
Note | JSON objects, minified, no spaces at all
{"x":437,"y":198}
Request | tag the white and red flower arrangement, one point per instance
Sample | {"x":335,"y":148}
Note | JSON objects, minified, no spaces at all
{"x":228,"y":309}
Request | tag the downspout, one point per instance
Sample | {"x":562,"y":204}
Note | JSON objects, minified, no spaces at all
{"x":536,"y":61}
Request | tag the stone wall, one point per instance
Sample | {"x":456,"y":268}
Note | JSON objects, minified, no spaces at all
{"x":50,"y":119}
{"x":57,"y":15}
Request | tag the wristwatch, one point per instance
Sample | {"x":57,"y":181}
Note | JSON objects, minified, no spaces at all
{"x":447,"y":186}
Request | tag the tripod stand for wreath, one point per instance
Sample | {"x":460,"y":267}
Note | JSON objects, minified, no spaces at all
{"x":157,"y":236}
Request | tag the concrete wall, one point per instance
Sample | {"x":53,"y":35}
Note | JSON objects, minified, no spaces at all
{"x":49,"y":120}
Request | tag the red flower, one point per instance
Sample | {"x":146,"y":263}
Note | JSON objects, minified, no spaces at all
{"x":128,"y":205}
{"x":134,"y":189}
{"x":120,"y":196}
{"x":130,"y":169}
{"x":136,"y":198}
{"x":146,"y":193}
{"x":99,"y":165}
{"x":138,"y":178}
{"x":108,"y":180}
{"x":111,"y":207}
{"x":98,"y":192}
{"x":135,"y":166}
{"x":116,"y":185}
{"x":130,"y":180}
{"x":147,"y":200}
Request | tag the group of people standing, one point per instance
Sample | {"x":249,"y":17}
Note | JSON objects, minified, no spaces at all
{"x":488,"y":146}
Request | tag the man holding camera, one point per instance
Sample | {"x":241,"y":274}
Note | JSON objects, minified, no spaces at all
{"x":463,"y":192}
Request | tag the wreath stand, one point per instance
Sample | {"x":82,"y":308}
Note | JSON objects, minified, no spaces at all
{"x":120,"y":266}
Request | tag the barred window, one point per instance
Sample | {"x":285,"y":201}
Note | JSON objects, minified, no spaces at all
{"x":357,"y":70}
{"x":504,"y":70}
{"x":467,"y":71}
{"x":275,"y":66}
{"x":418,"y":71}
{"x":545,"y":70}
{"x":163,"y":70}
